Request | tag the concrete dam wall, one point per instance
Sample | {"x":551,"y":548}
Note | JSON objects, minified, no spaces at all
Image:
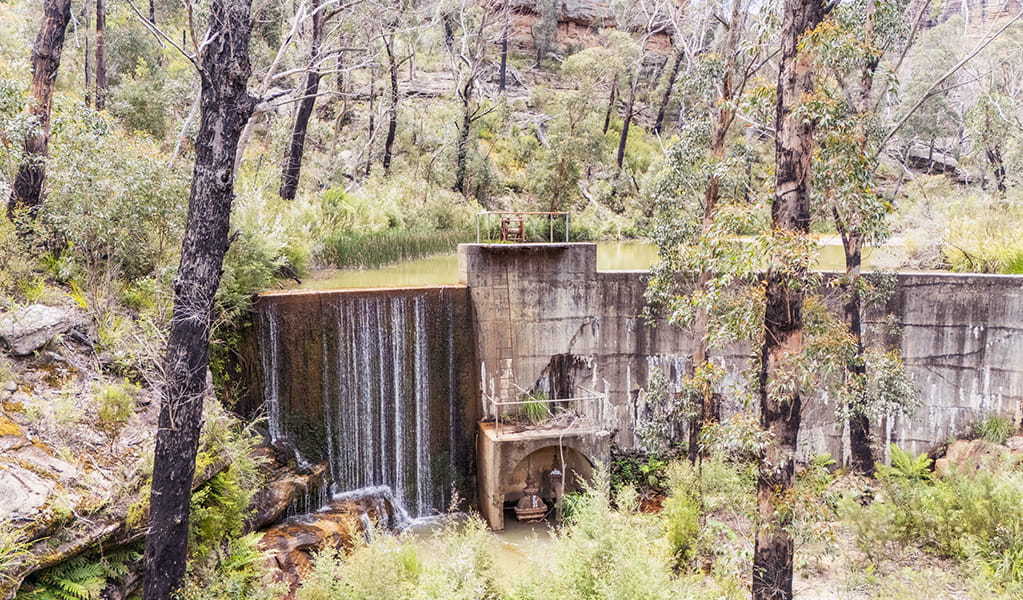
{"x":961,"y":338}
{"x":387,"y":385}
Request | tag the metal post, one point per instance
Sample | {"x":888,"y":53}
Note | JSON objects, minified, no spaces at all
{"x":566,"y":227}
{"x":477,"y":228}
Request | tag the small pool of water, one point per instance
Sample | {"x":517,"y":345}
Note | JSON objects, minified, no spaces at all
{"x":517,"y":549}
{"x":442,"y":269}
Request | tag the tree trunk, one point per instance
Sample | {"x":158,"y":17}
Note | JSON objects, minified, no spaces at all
{"x":859,"y":424}
{"x":341,"y":72}
{"x":503,"y":77}
{"x":662,"y":110}
{"x":994,"y":158}
{"x":152,"y":11}
{"x":86,"y":24}
{"x":101,"y":55}
{"x":225,"y":108}
{"x":862,"y":459}
{"x":462,"y":156}
{"x":392,"y":107}
{"x":293,"y":162}
{"x":27,"y":191}
{"x":780,"y":404}
{"x":708,"y":406}
{"x":372,"y":117}
{"x":611,"y":103}
{"x":624,"y":137}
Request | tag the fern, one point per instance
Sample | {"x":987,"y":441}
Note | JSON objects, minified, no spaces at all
{"x":76,"y":579}
{"x":82,"y":577}
{"x":906,"y":466}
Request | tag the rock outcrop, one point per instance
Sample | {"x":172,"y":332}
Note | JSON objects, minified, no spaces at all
{"x":28,"y":329}
{"x":968,"y":456}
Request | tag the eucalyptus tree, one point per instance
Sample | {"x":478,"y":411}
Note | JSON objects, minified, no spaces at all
{"x":480,"y":25}
{"x":573,"y":140}
{"x":647,"y":17}
{"x":782,"y":342}
{"x":309,"y":90}
{"x":704,"y":268}
{"x":27,"y":190}
{"x":856,"y":57}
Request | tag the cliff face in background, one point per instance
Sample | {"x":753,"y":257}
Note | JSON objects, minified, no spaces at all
{"x":579,"y":23}
{"x":976,"y":14}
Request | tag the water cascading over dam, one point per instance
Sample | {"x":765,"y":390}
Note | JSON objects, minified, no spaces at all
{"x":375,"y":383}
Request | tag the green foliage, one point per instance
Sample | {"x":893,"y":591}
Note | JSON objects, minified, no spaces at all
{"x":992,"y":428}
{"x":370,"y":251}
{"x":115,"y":403}
{"x":83,"y":577}
{"x":455,"y":564}
{"x":112,"y":197}
{"x":76,"y":579}
{"x":681,"y":512}
{"x":605,"y":553}
{"x":232,"y":570}
{"x":971,"y":517}
{"x":219,"y":508}
{"x":14,"y":549}
{"x":964,"y":230}
{"x":906,"y":466}
{"x":536,"y":408}
{"x":634,"y":472}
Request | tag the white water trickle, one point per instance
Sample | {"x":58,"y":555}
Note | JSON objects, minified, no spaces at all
{"x":422,"y":392}
{"x":398,"y":327}
{"x":268,"y":359}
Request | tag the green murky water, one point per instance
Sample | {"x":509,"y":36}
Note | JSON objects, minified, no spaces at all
{"x":442,"y":269}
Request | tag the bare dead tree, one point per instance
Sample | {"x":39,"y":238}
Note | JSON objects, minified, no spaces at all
{"x":101,"y":54}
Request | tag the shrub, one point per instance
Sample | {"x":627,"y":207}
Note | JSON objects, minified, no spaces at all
{"x":974,"y":518}
{"x":234,"y":570}
{"x":992,"y":428}
{"x":116,"y":403}
{"x":605,"y":553}
{"x":457,"y":564}
{"x":682,"y":512}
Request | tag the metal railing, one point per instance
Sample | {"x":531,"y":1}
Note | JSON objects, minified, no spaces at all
{"x":512,"y":221}
{"x":589,"y":398}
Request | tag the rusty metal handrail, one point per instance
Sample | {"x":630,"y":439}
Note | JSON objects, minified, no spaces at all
{"x":499,"y":415}
{"x":521,"y":215}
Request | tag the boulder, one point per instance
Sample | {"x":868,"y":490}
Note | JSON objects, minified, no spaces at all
{"x":291,"y":545}
{"x":284,"y":487}
{"x":588,"y":13}
{"x":29,"y":478}
{"x":967,"y":456}
{"x":1015,"y":444}
{"x":26,"y":330}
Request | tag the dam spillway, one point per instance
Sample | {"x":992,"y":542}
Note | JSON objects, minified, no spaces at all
{"x":369,"y":381}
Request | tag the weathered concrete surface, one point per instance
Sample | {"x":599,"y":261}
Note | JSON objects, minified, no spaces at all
{"x":961,"y":338}
{"x":505,"y":456}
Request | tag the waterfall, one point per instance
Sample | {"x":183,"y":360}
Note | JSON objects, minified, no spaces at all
{"x":373,"y":383}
